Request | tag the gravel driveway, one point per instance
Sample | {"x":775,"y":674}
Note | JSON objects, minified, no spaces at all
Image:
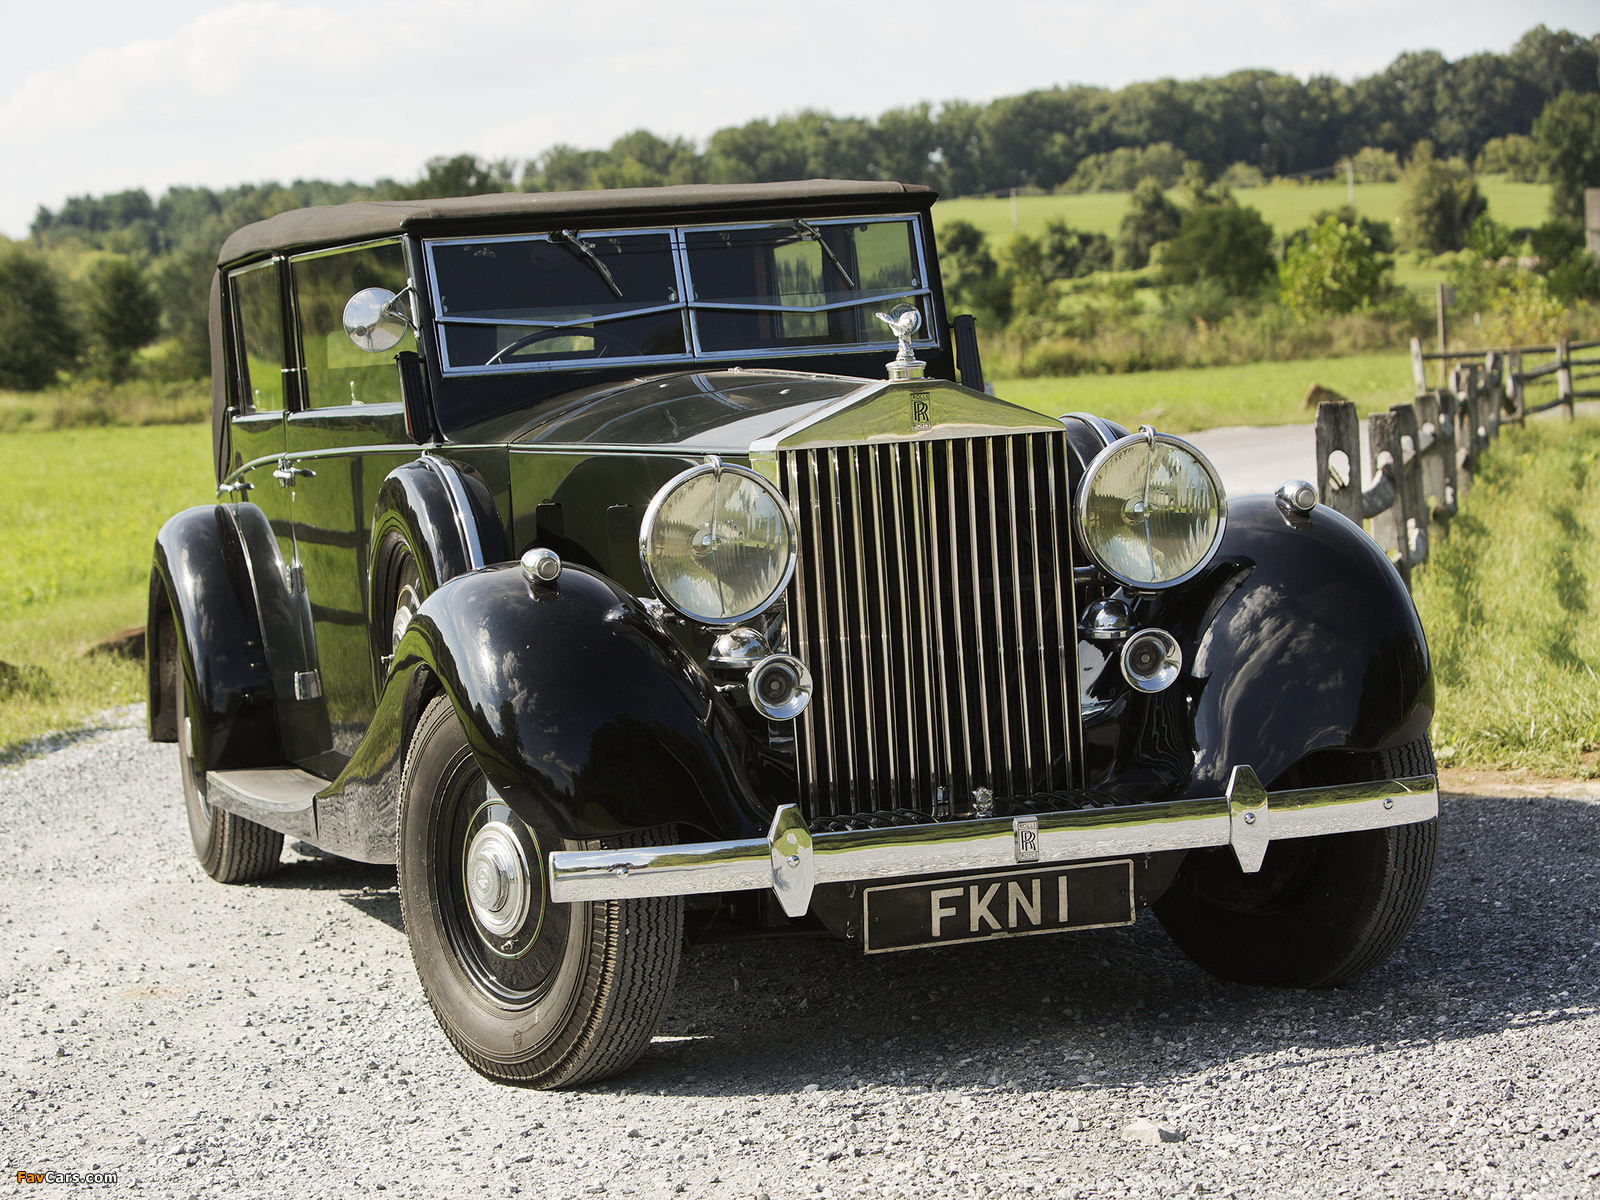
{"x":197,"y":1039}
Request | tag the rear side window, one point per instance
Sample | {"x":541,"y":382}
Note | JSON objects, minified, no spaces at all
{"x":258,"y":316}
{"x":337,"y":372}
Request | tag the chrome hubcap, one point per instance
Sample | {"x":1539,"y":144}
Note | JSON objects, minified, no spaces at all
{"x":497,"y":879}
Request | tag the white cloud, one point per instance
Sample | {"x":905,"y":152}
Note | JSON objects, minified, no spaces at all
{"x":260,"y":89}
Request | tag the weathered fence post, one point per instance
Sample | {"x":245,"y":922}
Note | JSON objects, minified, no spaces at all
{"x":1519,"y":401}
{"x":1339,"y":432}
{"x":1564,"y":377}
{"x":1387,"y":460}
{"x":1450,"y":473}
{"x":1437,"y":482}
{"x":1419,"y":369}
{"x":1413,"y":502}
{"x":1493,"y":384}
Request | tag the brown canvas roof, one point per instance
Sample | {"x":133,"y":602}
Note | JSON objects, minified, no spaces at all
{"x":330,"y":224}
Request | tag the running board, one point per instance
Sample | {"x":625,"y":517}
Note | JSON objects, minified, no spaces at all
{"x":281,"y":798}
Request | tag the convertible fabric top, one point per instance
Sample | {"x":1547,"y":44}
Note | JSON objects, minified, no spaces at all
{"x":329,"y":224}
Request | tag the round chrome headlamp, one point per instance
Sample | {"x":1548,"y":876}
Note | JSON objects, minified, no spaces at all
{"x":1151,"y":510}
{"x":718,"y":544}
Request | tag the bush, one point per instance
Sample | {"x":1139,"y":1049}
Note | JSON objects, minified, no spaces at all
{"x":38,"y":337}
{"x":1514,"y":156}
{"x":1372,"y":165}
{"x":1224,"y":242}
{"x":1335,"y":269}
{"x":1071,"y":253}
{"x":1122,"y":169}
{"x":1151,"y":220}
{"x":1243,"y":175}
{"x":1568,"y":137}
{"x":1439,"y":201}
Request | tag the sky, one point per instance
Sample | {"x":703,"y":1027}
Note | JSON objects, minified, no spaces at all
{"x":98,"y":98}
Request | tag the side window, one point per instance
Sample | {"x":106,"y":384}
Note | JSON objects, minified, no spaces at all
{"x":258,"y":316}
{"x":336,"y":370}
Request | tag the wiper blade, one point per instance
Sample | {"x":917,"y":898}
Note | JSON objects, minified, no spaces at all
{"x":578,"y":246}
{"x":809,"y":230}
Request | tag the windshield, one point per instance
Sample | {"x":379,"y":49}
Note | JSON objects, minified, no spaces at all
{"x":569,"y":299}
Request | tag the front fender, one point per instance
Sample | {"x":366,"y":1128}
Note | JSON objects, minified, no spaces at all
{"x":1301,"y":638}
{"x":575,"y":699}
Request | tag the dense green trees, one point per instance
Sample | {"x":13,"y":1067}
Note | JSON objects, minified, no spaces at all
{"x":1568,"y":136}
{"x":1242,"y":128}
{"x":37,"y":334}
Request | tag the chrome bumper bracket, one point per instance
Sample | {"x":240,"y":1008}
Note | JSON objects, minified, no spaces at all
{"x":792,"y":861}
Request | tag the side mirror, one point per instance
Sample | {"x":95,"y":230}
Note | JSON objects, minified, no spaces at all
{"x":375,"y":320}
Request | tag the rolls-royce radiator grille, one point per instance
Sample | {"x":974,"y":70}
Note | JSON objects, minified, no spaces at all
{"x":933,"y":605}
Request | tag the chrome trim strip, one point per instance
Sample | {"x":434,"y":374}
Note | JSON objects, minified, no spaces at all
{"x":465,"y":525}
{"x":863,"y":624}
{"x":920,"y":539}
{"x":807,"y":723}
{"x":938,"y":588}
{"x":885,"y":652}
{"x":847,"y":698}
{"x":1045,"y":722}
{"x":955,"y":846}
{"x":990,"y":465}
{"x":1016,"y":604}
{"x":1066,"y":635}
{"x":988,"y":779}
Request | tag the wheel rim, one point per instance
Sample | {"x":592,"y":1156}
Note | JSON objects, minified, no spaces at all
{"x":195,"y":804}
{"x":507,"y":937}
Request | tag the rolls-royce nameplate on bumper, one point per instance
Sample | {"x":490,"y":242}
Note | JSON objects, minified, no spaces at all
{"x":976,"y":908}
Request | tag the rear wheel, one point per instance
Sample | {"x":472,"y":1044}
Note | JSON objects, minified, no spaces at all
{"x":230,"y":848}
{"x":1321,"y":910}
{"x":528,"y":991}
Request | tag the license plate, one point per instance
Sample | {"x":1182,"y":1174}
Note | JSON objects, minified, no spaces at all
{"x":979,"y":908}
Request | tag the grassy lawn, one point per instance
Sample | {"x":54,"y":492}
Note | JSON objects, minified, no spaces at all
{"x":82,"y":509}
{"x":1508,"y":602}
{"x":1286,"y":208}
{"x":1269,"y":393}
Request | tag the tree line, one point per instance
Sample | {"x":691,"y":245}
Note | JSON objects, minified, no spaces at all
{"x":60,"y":290}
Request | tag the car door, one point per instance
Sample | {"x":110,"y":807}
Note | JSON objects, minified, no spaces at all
{"x":264,"y":390}
{"x":344,"y":436}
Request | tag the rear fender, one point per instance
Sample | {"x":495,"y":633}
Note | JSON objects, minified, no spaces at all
{"x":207,"y":637}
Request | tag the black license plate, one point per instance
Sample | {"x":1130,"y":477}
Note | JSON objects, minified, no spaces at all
{"x":978,"y":908}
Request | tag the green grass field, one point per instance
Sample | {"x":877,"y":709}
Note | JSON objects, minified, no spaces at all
{"x":1286,"y":208}
{"x":82,"y":508}
{"x":1509,"y":606}
{"x":1269,"y":393}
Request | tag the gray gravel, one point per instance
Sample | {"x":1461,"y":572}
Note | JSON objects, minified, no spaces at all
{"x":199,"y":1039}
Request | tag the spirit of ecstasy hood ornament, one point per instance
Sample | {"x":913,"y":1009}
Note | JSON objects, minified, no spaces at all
{"x":904,"y":320}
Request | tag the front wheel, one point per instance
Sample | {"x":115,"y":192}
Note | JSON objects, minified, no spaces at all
{"x":1321,"y":910}
{"x":528,"y":991}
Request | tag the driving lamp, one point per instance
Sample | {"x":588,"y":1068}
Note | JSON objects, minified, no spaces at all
{"x":718,"y":544}
{"x":1151,"y":510}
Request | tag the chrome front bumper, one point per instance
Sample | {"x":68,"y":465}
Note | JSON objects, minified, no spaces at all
{"x":792,"y":861}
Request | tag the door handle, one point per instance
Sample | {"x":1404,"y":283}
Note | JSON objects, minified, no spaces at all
{"x":286,"y":471}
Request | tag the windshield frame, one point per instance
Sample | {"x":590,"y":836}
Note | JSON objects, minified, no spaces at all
{"x":687,"y":305}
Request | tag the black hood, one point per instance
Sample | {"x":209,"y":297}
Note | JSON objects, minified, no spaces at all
{"x":711,"y":412}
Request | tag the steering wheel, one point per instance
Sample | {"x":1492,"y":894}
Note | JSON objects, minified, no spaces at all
{"x":539,"y":335}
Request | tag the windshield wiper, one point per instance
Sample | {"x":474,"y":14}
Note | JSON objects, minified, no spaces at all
{"x":809,"y":230}
{"x":581,"y":248}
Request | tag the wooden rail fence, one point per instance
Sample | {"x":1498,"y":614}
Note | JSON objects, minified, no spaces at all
{"x":1421,"y":456}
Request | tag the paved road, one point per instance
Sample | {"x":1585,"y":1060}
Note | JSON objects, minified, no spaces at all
{"x":205,"y":1040}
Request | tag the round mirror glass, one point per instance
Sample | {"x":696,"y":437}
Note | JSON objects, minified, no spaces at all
{"x":371,"y":323}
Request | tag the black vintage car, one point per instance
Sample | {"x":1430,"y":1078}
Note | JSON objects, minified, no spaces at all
{"x":574,"y":553}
